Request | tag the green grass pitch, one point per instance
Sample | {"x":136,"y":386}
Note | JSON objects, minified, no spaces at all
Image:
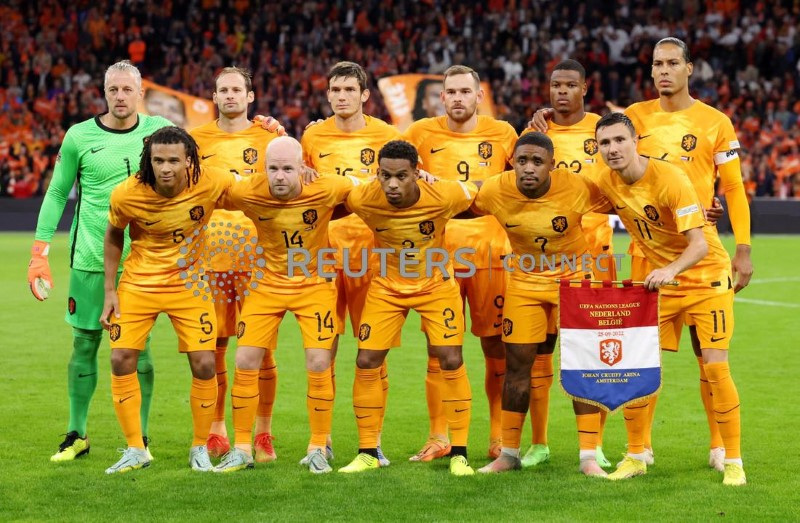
{"x":33,"y":410}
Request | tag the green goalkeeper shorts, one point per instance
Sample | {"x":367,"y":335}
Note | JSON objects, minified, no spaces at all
{"x":85,"y":301}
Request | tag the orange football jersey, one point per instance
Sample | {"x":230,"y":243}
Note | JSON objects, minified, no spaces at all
{"x":473,"y":156}
{"x":242,"y":153}
{"x":332,"y":151}
{"x":545,"y":228}
{"x":696,"y":140}
{"x":301,"y":223}
{"x":575,"y":149}
{"x":420,"y":227}
{"x":167,"y":234}
{"x":656,"y":210}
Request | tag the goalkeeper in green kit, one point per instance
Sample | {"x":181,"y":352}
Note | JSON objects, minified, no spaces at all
{"x":98,"y":153}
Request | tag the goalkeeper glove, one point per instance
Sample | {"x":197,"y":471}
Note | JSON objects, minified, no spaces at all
{"x":39,"y":277}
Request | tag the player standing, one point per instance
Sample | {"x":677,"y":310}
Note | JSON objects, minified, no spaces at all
{"x":233,"y":142}
{"x":167,"y":205}
{"x":658,"y":204}
{"x":465,"y":146}
{"x":701,"y":141}
{"x":98,"y":154}
{"x":571,"y":129}
{"x":408,"y":218}
{"x":347,"y":144}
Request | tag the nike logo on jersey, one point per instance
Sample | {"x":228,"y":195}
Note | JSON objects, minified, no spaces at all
{"x":320,"y":338}
{"x":81,"y":375}
{"x":510,"y":226}
{"x":207,"y":156}
{"x":462,"y":410}
{"x":96,"y":149}
{"x":714,"y":340}
{"x":262,"y":219}
{"x":123,"y":400}
{"x":324,"y":155}
{"x":379,"y":229}
{"x":642,"y":136}
{"x":151,"y":223}
{"x":620,"y":206}
{"x":434,"y":151}
{"x":204,"y":406}
{"x":446,"y":336}
{"x":206,"y":340}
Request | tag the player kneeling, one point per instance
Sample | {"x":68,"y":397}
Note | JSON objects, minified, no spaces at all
{"x":409,"y":219}
{"x":292,"y":223}
{"x":167,"y":205}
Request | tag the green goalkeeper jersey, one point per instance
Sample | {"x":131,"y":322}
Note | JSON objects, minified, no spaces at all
{"x":98,"y":158}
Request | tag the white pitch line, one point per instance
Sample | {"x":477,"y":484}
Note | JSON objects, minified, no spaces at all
{"x":775,"y":280}
{"x":770,"y":303}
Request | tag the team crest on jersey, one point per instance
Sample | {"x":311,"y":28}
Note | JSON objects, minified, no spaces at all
{"x":71,"y":305}
{"x":240,"y":329}
{"x":590,"y":146}
{"x":367,"y":156}
{"x":363,"y":331}
{"x":426,"y":227}
{"x":250,"y":156}
{"x":485,"y":150}
{"x":688,"y":142}
{"x":651,"y":212}
{"x":197,"y":212}
{"x":508,"y":327}
{"x":309,"y":216}
{"x":560,"y":223}
{"x":610,"y":352}
{"x":114,"y":331}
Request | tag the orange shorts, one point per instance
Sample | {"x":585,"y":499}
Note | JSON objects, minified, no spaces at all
{"x":191,"y":315}
{"x":710,"y":314}
{"x":385,"y":312}
{"x":640,"y":267}
{"x":229,"y":297}
{"x":314,"y":307}
{"x":529,"y":316}
{"x":351,"y":296}
{"x":350,"y":233}
{"x":484,"y":292}
{"x":605,"y":267}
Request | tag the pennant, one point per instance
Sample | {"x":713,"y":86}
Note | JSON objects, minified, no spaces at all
{"x":610,"y":352}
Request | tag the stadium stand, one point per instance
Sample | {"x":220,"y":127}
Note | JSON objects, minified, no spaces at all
{"x":52,"y":54}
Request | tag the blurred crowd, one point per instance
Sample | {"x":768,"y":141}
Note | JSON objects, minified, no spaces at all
{"x":53,"y":54}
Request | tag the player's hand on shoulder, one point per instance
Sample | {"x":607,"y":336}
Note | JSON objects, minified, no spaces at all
{"x":110,"y":305}
{"x":313,"y":123}
{"x":715,"y":212}
{"x":427,"y":177}
{"x":308,"y":175}
{"x":270,"y":124}
{"x":540,"y":119}
{"x":39,"y":278}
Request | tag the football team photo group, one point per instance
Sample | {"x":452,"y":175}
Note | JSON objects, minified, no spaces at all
{"x":228,"y":226}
